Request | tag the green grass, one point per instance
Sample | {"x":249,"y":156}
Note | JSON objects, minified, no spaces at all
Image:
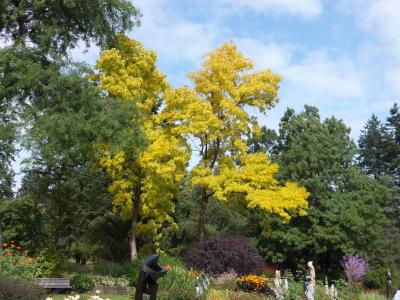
{"x":85,"y":297}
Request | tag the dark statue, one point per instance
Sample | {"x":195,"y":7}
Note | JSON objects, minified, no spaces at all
{"x":150,"y":272}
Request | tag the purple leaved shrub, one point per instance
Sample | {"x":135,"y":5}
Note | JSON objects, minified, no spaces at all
{"x":218,"y":255}
{"x":355,"y":267}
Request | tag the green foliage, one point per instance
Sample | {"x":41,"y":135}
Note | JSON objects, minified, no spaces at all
{"x":178,"y":277}
{"x":58,"y":25}
{"x":109,"y":268}
{"x":82,"y":283}
{"x":177,"y":294}
{"x":371,"y":146}
{"x":15,"y":266}
{"x":24,"y":222}
{"x":371,"y":296}
{"x":13,"y":290}
{"x":221,"y":219}
{"x":346,"y":207}
{"x":296,"y":290}
{"x":47,"y":262}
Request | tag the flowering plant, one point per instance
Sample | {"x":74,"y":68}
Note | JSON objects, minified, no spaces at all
{"x":15,"y":264}
{"x":254,"y":283}
{"x":355,"y":267}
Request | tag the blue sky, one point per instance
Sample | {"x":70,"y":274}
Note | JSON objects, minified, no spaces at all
{"x":342,"y":56}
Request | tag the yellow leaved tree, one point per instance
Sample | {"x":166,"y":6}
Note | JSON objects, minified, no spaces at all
{"x":143,"y":184}
{"x":214,"y":116}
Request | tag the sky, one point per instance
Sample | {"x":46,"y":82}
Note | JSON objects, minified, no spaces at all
{"x":342,"y":56}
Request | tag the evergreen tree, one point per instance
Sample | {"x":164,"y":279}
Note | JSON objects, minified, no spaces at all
{"x":345,"y":213}
{"x":392,"y":144}
{"x":371,"y":147}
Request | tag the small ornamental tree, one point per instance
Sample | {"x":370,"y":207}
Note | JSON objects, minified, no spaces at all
{"x":355,"y":267}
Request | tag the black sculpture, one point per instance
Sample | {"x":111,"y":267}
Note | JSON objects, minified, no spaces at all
{"x":148,"y":276}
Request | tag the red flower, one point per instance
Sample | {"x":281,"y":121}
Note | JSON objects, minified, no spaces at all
{"x":12,"y":241}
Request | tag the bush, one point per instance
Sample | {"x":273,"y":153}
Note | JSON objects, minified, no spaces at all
{"x":16,"y":265}
{"x":82,"y":283}
{"x":10,"y":290}
{"x":109,"y":268}
{"x":110,"y":281}
{"x":72,"y":267}
{"x":47,"y":263}
{"x":254,"y":283}
{"x":218,"y":255}
{"x":178,"y":277}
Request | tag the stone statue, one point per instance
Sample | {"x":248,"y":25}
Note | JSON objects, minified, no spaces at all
{"x":312,"y":272}
{"x":326,"y":286}
{"x":309,"y":288}
{"x":388,"y":284}
{"x":278,"y":285}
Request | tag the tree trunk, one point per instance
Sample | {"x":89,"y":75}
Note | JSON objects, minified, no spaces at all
{"x":135,"y":218}
{"x":1,"y":237}
{"x":202,"y":217}
{"x":132,"y":241}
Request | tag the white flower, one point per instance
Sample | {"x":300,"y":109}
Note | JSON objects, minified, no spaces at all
{"x":48,"y":298}
{"x":98,"y":292}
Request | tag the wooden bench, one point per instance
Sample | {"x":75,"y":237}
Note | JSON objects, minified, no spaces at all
{"x":54,"y":283}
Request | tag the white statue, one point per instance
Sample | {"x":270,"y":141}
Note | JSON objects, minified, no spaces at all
{"x":278,"y":285}
{"x":312,"y":272}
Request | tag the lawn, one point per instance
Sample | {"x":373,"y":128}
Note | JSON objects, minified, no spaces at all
{"x":86,"y":297}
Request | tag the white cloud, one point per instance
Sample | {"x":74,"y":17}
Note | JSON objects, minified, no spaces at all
{"x":303,"y":8}
{"x":174,"y":38}
{"x":330,"y":78}
{"x":266,"y":55}
{"x":382,"y":17}
{"x":316,"y":75}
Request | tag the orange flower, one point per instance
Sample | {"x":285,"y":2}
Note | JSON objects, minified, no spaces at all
{"x":9,"y":253}
{"x":167,"y":267}
{"x":4,"y":244}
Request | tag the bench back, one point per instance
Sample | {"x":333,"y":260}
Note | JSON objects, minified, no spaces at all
{"x":54,"y":283}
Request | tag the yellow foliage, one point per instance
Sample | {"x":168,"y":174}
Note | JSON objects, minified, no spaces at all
{"x":129,"y":72}
{"x":214,"y":116}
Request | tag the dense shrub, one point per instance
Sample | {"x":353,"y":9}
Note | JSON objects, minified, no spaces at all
{"x":82,"y":283}
{"x":218,"y":255}
{"x":48,"y":262}
{"x":109,"y":268}
{"x":178,"y":277}
{"x":10,"y":290}
{"x":16,"y":265}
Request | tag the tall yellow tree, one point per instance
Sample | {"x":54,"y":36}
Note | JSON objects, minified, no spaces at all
{"x":143,"y":185}
{"x":214,"y":115}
